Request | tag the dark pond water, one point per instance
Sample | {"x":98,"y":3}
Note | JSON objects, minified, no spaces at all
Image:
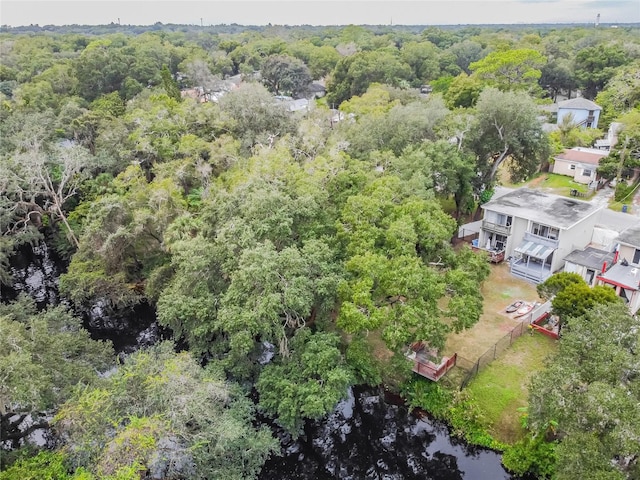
{"x":36,"y":272}
{"x":369,"y":436}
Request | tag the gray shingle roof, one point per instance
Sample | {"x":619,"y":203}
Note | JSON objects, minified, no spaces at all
{"x":590,"y":257}
{"x":579,"y":103}
{"x":631,"y":236}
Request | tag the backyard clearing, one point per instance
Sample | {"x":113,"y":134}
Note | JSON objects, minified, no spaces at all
{"x":499,"y":290}
{"x":554,"y":183}
{"x":501,"y":388}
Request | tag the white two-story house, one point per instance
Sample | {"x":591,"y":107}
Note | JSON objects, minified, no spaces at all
{"x":584,"y":113}
{"x":536,"y":230}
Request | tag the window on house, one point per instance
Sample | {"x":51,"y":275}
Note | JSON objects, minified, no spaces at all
{"x":636,"y":256}
{"x":545,"y":231}
{"x":572,"y":167}
{"x":504,"y":219}
{"x":587,"y":173}
{"x":501,"y":241}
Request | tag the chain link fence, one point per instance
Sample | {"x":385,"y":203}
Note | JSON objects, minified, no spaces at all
{"x":470,"y":369}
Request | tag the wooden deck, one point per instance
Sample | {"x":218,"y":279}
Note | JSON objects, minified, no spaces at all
{"x":494,"y":256}
{"x":424,"y":366}
{"x":547,"y":325}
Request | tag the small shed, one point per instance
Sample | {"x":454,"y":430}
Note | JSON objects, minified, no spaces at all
{"x":588,"y":263}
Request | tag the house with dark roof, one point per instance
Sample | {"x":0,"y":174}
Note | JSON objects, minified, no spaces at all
{"x":537,"y":230}
{"x":624,"y":275}
{"x":585,"y":113}
{"x":579,"y":163}
{"x":588,"y":263}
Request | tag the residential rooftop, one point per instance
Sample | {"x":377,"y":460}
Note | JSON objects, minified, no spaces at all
{"x":590,"y":257}
{"x":625,"y":276}
{"x":591,"y":156}
{"x":631,"y":236}
{"x":579,"y":103}
{"x":541,"y":207}
{"x":615,"y":221}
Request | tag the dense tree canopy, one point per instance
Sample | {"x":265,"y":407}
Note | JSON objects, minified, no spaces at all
{"x":507,"y":128}
{"x":52,"y":351}
{"x":160,"y":412}
{"x":511,"y":69}
{"x":589,"y":396}
{"x":284,"y":75}
{"x":295,"y":252}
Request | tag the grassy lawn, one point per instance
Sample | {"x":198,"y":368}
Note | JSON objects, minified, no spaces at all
{"x":552,"y":183}
{"x":499,"y":290}
{"x":502,"y":387}
{"x":632,"y":201}
{"x":558,"y":184}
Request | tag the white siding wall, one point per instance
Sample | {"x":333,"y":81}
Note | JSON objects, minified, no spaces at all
{"x":604,"y":239}
{"x":626,"y":252}
{"x":577,"y":237}
{"x":579,"y":115}
{"x":518,"y":230}
{"x":563,"y":167}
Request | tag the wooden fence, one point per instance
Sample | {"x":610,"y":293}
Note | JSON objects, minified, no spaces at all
{"x":432,"y":371}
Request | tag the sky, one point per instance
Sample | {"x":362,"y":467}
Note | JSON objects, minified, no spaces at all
{"x":314,"y":12}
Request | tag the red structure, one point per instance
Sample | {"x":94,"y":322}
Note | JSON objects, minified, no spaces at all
{"x":423,"y":364}
{"x":537,"y":325}
{"x":432,"y":371}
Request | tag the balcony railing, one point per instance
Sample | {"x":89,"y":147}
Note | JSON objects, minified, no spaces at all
{"x":534,"y":272}
{"x":548,"y":242}
{"x":496,"y":227}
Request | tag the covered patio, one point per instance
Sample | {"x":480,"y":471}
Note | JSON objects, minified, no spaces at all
{"x":533,"y":262}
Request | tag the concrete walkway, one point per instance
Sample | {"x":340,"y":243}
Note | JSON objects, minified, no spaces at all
{"x":603,"y":196}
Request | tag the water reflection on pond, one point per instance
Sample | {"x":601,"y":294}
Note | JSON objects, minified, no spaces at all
{"x":366,"y":437}
{"x":369,"y":438}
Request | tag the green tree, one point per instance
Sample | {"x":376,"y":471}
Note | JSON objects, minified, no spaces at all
{"x":160,"y":412}
{"x":392,"y":287}
{"x":594,"y":66}
{"x":100,"y":68}
{"x":557,"y":283}
{"x":510,"y":70}
{"x":353,"y":74}
{"x":621,"y":94}
{"x":122,"y":238}
{"x":466,"y":53}
{"x":54,"y":352}
{"x":308,"y":384}
{"x":252,"y":116}
{"x":422,"y":57}
{"x":507,"y":127}
{"x":49,"y":465}
{"x":463,"y":91}
{"x":589,"y":393}
{"x":625,"y":154}
{"x":285,"y":75}
{"x":575,"y":299}
{"x":556,"y":77}
{"x":170,"y":85}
